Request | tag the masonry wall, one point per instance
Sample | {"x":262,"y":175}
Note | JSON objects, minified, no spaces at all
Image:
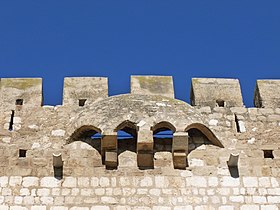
{"x":207,"y":182}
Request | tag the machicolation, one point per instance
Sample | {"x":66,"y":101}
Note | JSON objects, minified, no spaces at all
{"x":143,"y":150}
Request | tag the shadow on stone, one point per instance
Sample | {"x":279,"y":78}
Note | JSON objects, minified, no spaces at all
{"x":58,"y":172}
{"x":234,"y":172}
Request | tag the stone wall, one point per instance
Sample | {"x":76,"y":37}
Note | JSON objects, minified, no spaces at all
{"x":144,"y":190}
{"x":191,"y":169}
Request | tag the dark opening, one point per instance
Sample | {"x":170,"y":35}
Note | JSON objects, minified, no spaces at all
{"x":11,"y":121}
{"x":237,"y":124}
{"x":268,"y":154}
{"x":22,"y":153}
{"x":82,"y":102}
{"x":126,"y":141}
{"x":196,"y":139}
{"x":19,"y":102}
{"x":220,"y":103}
{"x":163,"y":140}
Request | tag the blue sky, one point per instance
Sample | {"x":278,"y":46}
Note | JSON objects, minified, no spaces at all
{"x":116,"y":39}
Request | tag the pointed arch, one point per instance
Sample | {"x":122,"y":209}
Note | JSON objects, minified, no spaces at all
{"x":83,"y":132}
{"x":162,"y":126}
{"x":207,"y":132}
{"x":128,"y":127}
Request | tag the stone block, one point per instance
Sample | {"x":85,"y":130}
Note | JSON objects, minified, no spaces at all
{"x":69,"y":182}
{"x":111,"y":159}
{"x":30,"y":181}
{"x":180,"y":160}
{"x":145,"y":159}
{"x":49,"y":182}
{"x":249,"y":207}
{"x":266,"y":94}
{"x":152,"y":85}
{"x":109,"y":142}
{"x":82,"y":91}
{"x":24,"y":91}
{"x":230,"y":182}
{"x":250,"y":181}
{"x":216,"y":92}
{"x":40,"y":208}
{"x":180,"y":141}
{"x":145,"y":140}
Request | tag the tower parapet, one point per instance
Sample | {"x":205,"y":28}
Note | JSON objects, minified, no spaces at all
{"x":79,"y":91}
{"x":152,"y":85}
{"x":216,"y":92}
{"x":267,"y":94}
{"x":17,"y":93}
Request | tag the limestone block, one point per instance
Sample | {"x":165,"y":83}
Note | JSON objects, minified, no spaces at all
{"x":216,"y":92}
{"x":69,"y":182}
{"x":50,"y":182}
{"x":269,"y":207}
{"x":111,"y":159}
{"x":152,"y":85}
{"x":58,"y":132}
{"x":250,"y":181}
{"x":180,"y":160}
{"x":108,"y":142}
{"x":180,"y":141}
{"x":40,"y":208}
{"x":30,"y":181}
{"x":25,"y":91}
{"x":145,"y":140}
{"x":145,"y":159}
{"x":249,"y":207}
{"x":82,"y":91}
{"x":266,"y":94}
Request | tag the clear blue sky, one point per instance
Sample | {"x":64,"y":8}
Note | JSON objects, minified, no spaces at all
{"x":117,"y":38}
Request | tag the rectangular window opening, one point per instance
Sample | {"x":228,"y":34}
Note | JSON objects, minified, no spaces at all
{"x":19,"y":102}
{"x":22,"y":153}
{"x":220,"y":103}
{"x":268,"y":154}
{"x":82,"y":102}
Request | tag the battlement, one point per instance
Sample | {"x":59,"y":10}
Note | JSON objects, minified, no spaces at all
{"x":142,"y":150}
{"x":17,"y":92}
{"x":80,"y":91}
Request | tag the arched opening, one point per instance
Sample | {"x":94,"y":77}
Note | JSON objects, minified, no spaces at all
{"x":163,"y":138}
{"x":127,"y":144}
{"x":88,"y":134}
{"x":84,"y":149}
{"x":199,"y":134}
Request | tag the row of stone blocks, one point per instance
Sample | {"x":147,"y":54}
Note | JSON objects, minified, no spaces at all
{"x":145,"y":155}
{"x":80,"y":91}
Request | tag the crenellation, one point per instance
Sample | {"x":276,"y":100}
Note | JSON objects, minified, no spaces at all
{"x":114,"y":154}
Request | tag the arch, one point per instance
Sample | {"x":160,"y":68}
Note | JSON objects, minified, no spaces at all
{"x":162,"y":126}
{"x":207,"y":132}
{"x":128,"y":127}
{"x":84,"y":131}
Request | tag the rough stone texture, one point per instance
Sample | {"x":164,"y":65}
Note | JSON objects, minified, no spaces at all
{"x":81,"y":88}
{"x":152,"y":85}
{"x":144,"y":171}
{"x":216,"y":92}
{"x":267,"y":94}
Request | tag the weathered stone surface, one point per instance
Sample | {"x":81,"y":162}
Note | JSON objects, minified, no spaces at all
{"x":152,"y":85}
{"x":266,"y":94}
{"x":216,"y":92}
{"x":184,"y":169}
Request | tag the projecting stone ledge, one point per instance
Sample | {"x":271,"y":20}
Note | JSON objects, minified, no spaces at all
{"x":267,"y":94}
{"x":152,"y":85}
